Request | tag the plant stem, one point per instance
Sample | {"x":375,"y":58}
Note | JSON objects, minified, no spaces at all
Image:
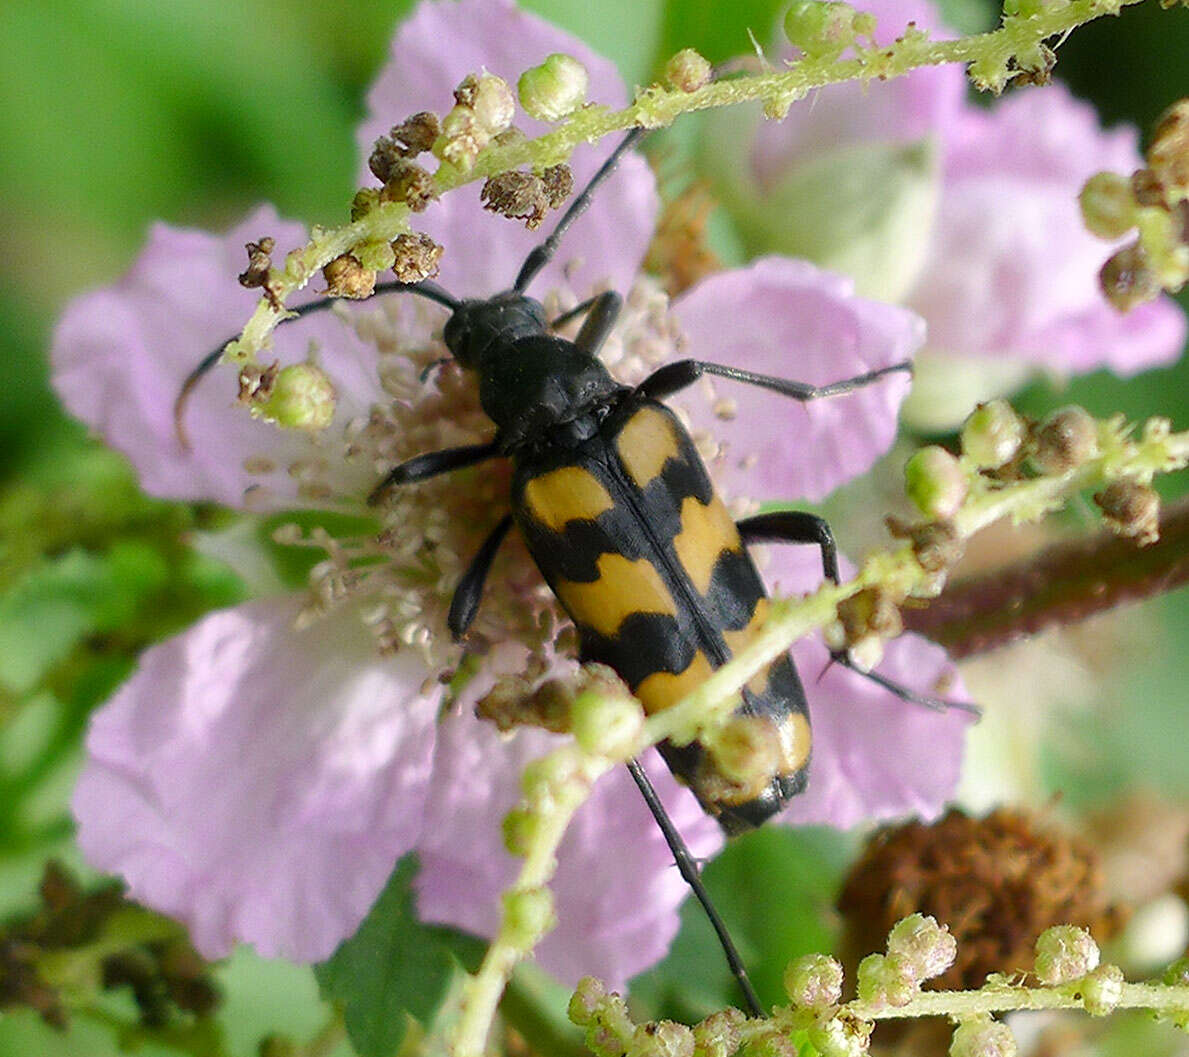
{"x":1063,"y":584}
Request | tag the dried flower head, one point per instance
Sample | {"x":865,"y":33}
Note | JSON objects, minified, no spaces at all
{"x":998,"y":882}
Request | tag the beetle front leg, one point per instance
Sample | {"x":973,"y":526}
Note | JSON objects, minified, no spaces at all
{"x":469,"y":592}
{"x":422,"y":467}
{"x":674,"y":377}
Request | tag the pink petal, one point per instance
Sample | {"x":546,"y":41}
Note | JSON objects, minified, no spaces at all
{"x":787,"y":318}
{"x":617,"y":889}
{"x":258,"y":782}
{"x":120,"y":355}
{"x":1012,"y":270}
{"x":434,"y":48}
{"x":898,"y":111}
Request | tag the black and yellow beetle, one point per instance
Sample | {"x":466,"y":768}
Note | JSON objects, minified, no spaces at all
{"x":621,"y":517}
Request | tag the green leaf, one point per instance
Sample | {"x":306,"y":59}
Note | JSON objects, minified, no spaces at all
{"x":394,"y":969}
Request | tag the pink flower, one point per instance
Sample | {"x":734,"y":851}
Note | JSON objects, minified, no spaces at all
{"x":260,"y":774}
{"x":966,"y":214}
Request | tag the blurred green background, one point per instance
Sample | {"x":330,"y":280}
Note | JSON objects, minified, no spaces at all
{"x":113,"y":114}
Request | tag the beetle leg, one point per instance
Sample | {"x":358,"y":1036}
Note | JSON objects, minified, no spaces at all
{"x":602,"y":312}
{"x":797,"y":526}
{"x":676,"y":376}
{"x":432,"y":463}
{"x":794,"y":526}
{"x":467,"y":595}
{"x":688,"y":869}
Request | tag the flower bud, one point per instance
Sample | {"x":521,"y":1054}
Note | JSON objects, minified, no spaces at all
{"x":347,"y":277}
{"x":841,"y":1036}
{"x":886,"y":980}
{"x":927,"y":948}
{"x":301,"y":397}
{"x":869,"y":613}
{"x":1131,"y":509}
{"x":1168,"y":156}
{"x":935,"y":482}
{"x":588,"y":996}
{"x":1108,"y":206}
{"x":688,"y":71}
{"x":554,"y":89}
{"x":410,"y":183}
{"x":992,"y":434}
{"x":814,"y":980}
{"x":983,"y":1038}
{"x":1065,"y":440}
{"x":820,"y":28}
{"x":1127,"y":279}
{"x":1064,"y":953}
{"x":463,"y":137}
{"x":607,"y":726}
{"x":747,"y":751}
{"x":415,"y":256}
{"x":719,"y":1034}
{"x":528,"y":914}
{"x":520,"y":828}
{"x":490,"y":99}
{"x":1102,"y":990}
{"x":663,"y":1038}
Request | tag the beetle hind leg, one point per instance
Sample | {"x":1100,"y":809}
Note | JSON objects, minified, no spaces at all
{"x":797,"y":526}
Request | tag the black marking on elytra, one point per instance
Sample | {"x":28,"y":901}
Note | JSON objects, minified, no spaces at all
{"x":646,"y":643}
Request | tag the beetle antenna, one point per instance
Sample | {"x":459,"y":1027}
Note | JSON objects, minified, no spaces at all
{"x":430,"y":291}
{"x":543,"y":254}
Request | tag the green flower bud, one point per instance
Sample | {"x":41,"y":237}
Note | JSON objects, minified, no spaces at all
{"x":554,"y":89}
{"x":301,"y":397}
{"x":1102,"y":990}
{"x":662,"y":1038}
{"x":1064,"y":953}
{"x":520,"y":827}
{"x":983,"y":1038}
{"x":1108,"y":206}
{"x":886,"y":980}
{"x":814,"y":980}
{"x":841,"y":1036}
{"x":992,"y":435}
{"x":820,"y":28}
{"x":588,"y":996}
{"x":719,"y":1034}
{"x":607,"y":726}
{"x":528,"y":913}
{"x":927,"y":948}
{"x":688,"y":71}
{"x":935,"y":482}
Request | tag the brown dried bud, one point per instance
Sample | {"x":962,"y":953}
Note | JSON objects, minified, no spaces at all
{"x":406,"y":140}
{"x":936,"y":545}
{"x":557,"y":181}
{"x":1035,"y":67}
{"x":518,"y":195}
{"x":256,"y":383}
{"x":1145,"y":188}
{"x":871,"y":612}
{"x":1065,"y":440}
{"x":1127,"y":279}
{"x":417,"y":257}
{"x":408,"y":182}
{"x":997,"y":882}
{"x":1168,"y":156}
{"x":259,"y":262}
{"x":1132,"y":510}
{"x":346,"y":277}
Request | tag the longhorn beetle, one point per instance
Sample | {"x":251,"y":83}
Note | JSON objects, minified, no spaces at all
{"x":619,"y":514}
